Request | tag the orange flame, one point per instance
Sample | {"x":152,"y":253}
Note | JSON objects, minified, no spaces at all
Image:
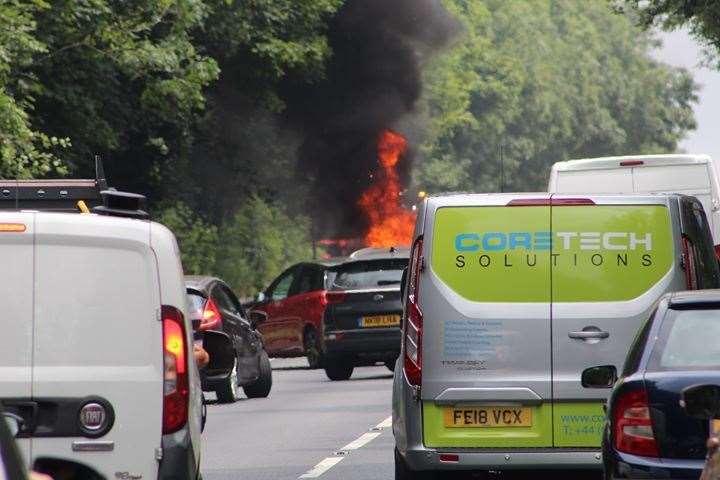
{"x":390,"y":223}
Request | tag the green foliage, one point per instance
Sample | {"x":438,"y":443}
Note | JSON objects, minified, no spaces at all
{"x":703,"y":17}
{"x":545,"y":81}
{"x":198,"y":240}
{"x":258,"y":242}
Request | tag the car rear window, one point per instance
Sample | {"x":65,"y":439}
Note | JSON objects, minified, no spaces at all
{"x":195,"y":302}
{"x":367,"y":274}
{"x":688,"y":340}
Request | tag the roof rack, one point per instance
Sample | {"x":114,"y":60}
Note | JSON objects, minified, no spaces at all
{"x":71,"y":196}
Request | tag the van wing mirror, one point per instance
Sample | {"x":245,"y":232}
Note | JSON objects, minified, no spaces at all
{"x":603,"y":376}
{"x":403,"y":283}
{"x":702,"y":401}
{"x":257,"y":317}
{"x":221,"y":351}
{"x":13,"y":422}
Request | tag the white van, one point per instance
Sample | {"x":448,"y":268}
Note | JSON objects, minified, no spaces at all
{"x":695,"y":175}
{"x":508,"y":298}
{"x":97,"y":351}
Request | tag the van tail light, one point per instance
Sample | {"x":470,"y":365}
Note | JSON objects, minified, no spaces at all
{"x":633,"y":426}
{"x":412,"y":359}
{"x":333,"y":298}
{"x":176,"y":390}
{"x":688,"y":262}
{"x":211,"y":318}
{"x":717,"y":252}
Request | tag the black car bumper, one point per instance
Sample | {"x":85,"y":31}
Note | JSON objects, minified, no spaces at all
{"x":623,"y":466}
{"x":364,"y":346}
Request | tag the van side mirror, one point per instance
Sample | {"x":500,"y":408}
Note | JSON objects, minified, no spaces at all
{"x":604,"y":376}
{"x":403,"y":282}
{"x":257,"y":317}
{"x":221,"y":351}
{"x":13,"y":422}
{"x":702,"y":401}
{"x":65,"y":469}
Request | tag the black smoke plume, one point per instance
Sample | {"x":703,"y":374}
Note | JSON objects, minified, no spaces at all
{"x":373,"y":80}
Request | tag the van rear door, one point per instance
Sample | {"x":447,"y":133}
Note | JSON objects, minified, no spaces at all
{"x":486,"y":357}
{"x":98,"y":339}
{"x":16,"y":285}
{"x":612,"y":260}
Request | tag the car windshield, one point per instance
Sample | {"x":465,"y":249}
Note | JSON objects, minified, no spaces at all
{"x":367,"y":274}
{"x":683,"y":341}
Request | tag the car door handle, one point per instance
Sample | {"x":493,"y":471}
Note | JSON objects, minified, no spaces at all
{"x":589,"y":335}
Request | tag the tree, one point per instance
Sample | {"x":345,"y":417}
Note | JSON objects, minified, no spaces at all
{"x":198,"y":240}
{"x":702,"y":17}
{"x":542,"y":81}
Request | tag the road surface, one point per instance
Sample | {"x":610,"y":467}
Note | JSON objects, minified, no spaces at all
{"x":311,"y":427}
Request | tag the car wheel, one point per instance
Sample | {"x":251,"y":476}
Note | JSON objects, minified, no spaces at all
{"x":228,"y":392}
{"x":260,"y":388}
{"x":338,"y":370}
{"x":312,"y":349}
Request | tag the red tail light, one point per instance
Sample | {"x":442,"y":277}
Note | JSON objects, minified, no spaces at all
{"x":717,"y":252}
{"x":412,"y":360}
{"x":631,"y":163}
{"x":332,"y":298}
{"x":176,"y":386}
{"x":688,"y":258}
{"x":633,"y":426}
{"x":211,"y":318}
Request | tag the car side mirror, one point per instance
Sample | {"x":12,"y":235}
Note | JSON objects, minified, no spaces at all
{"x":257,"y":317}
{"x":13,"y":422}
{"x":403,"y":282}
{"x":599,"y":377}
{"x":260,"y":297}
{"x":221,"y":351}
{"x":702,"y":401}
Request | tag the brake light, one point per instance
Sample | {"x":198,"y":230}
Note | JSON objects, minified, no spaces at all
{"x":688,"y":258}
{"x":333,"y":298}
{"x":176,"y":386}
{"x":717,"y":252}
{"x":633,"y":426}
{"x":631,"y":163}
{"x":412,"y":360}
{"x":546,"y":202}
{"x":211,"y":318}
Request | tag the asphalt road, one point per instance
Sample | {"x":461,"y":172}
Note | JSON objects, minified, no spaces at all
{"x":311,"y":427}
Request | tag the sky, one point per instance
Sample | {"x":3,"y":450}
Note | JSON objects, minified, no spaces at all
{"x":681,"y":50}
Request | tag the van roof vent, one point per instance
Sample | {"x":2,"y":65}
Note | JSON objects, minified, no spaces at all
{"x":122,"y":204}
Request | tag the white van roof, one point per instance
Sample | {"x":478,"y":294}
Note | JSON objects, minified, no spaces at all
{"x":647,"y":160}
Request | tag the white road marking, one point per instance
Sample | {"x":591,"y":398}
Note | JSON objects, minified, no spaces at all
{"x":387,"y":423}
{"x":359,"y":442}
{"x":364,"y":439}
{"x":322,"y":467}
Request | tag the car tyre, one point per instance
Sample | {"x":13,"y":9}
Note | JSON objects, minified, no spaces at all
{"x":228,"y":392}
{"x":312,"y":348}
{"x":261,"y":387}
{"x":339,"y":370}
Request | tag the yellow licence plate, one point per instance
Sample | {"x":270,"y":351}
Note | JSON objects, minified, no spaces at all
{"x":464,"y":417}
{"x":380,"y":321}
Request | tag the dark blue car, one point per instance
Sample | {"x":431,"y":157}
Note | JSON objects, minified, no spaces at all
{"x":648,"y":434}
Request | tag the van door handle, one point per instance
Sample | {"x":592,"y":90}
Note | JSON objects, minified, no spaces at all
{"x":589,"y":335}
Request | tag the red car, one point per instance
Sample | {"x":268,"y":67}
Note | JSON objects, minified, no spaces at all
{"x":295,"y":304}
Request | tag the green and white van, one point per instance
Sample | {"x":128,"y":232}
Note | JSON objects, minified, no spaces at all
{"x":508,"y":298}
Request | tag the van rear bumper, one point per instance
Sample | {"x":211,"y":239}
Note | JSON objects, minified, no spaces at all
{"x":420,"y":458}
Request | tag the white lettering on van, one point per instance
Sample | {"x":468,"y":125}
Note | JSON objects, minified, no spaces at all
{"x":634,"y":242}
{"x":566,"y":236}
{"x":589,"y":240}
{"x":608,"y":245}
